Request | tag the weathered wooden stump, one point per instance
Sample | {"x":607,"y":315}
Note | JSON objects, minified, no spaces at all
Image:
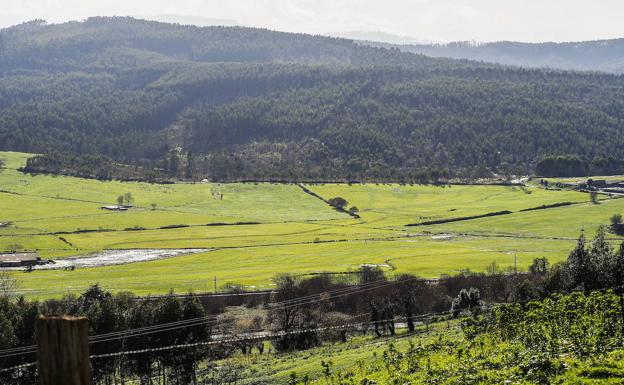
{"x":63,"y":350}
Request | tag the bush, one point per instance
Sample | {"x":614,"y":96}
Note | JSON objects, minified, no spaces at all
{"x":338,"y":202}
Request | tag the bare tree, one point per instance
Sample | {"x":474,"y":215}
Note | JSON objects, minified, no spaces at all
{"x":408,"y":292}
{"x":15,"y":247}
{"x":128,"y":199}
{"x":285,"y":317}
{"x":593,"y":197}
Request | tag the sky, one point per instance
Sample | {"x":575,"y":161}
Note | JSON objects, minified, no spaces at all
{"x":423,"y":20}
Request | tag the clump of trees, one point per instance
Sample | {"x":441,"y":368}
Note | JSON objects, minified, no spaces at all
{"x":98,"y":167}
{"x":467,"y":300}
{"x":591,"y":266}
{"x":127,"y":200}
{"x":341,"y":204}
{"x":110,"y":313}
{"x":572,"y":165}
{"x":376,"y":303}
{"x":338,"y":203}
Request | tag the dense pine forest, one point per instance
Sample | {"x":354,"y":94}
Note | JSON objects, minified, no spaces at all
{"x":232,"y":103}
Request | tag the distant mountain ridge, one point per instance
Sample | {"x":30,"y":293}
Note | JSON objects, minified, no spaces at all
{"x":599,"y":55}
{"x":383,"y":37}
{"x":195,"y":20}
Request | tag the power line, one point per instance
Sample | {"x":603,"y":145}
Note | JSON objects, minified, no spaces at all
{"x":239,"y":339}
{"x":279,"y":305}
{"x":176,"y":325}
{"x":22,"y":366}
{"x":201,"y":320}
{"x":232,"y":340}
{"x":32,"y":349}
{"x":349,"y":290}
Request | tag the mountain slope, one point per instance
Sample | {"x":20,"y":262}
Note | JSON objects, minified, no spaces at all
{"x":238,"y":103}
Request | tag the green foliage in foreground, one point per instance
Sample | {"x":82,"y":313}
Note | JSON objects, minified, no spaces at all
{"x":571,"y":339}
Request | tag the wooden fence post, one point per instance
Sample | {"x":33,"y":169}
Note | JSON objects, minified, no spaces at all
{"x":63,"y":350}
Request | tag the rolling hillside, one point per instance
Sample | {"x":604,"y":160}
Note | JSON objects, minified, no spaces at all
{"x":232,"y":103}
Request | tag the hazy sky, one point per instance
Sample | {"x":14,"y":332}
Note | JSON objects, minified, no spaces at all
{"x":440,"y":20}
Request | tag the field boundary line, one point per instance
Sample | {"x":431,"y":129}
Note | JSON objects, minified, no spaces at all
{"x":317,"y":196}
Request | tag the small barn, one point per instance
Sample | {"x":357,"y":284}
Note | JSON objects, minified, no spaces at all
{"x":20,"y":259}
{"x":597,"y":183}
{"x":115,"y":208}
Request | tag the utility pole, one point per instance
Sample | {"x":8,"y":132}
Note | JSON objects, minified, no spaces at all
{"x":63,"y":350}
{"x":215,"y":284}
{"x":515,"y":264}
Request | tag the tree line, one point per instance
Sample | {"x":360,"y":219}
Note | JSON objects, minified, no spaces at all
{"x":570,"y":166}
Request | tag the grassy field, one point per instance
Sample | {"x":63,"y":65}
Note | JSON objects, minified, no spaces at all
{"x":283,"y":230}
{"x":277,"y":368}
{"x":395,"y":205}
{"x":506,"y":351}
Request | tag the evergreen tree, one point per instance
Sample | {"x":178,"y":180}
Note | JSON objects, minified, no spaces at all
{"x":189,"y":165}
{"x":600,"y":253}
{"x":616,"y":268}
{"x":579,"y":266}
{"x":467,"y":300}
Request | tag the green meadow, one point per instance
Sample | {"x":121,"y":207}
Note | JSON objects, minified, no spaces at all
{"x":254,"y":231}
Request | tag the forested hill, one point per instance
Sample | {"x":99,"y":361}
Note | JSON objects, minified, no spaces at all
{"x":239,"y":103}
{"x":598,"y":55}
{"x":121,"y":43}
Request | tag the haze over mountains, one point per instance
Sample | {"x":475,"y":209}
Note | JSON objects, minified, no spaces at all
{"x":198,"y":21}
{"x":600,"y":55}
{"x":382,"y":37}
{"x":240,"y":103}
